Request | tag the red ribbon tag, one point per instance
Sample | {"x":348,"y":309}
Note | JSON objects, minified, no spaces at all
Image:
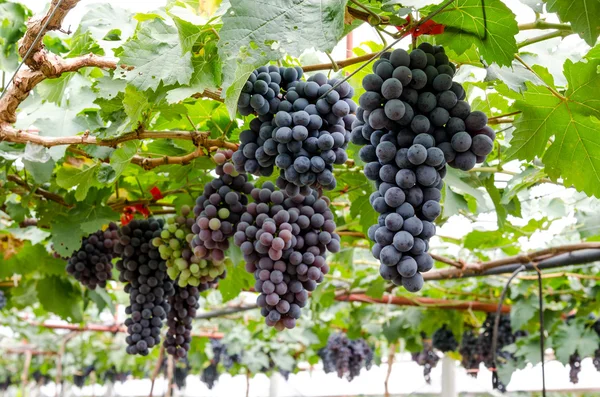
{"x":129,"y":211}
{"x":156,"y":193}
{"x":429,"y":28}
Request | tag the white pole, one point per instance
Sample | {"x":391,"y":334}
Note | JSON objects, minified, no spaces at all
{"x":448,"y":377}
{"x":274,"y":386}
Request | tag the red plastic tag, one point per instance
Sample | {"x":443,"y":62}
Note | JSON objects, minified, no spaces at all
{"x":156,"y":193}
{"x":429,"y":28}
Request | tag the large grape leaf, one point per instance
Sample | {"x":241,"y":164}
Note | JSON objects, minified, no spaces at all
{"x":155,"y":45}
{"x":105,"y":21}
{"x":584,"y":16}
{"x":574,"y":153}
{"x":256,"y":32}
{"x":465,"y":25}
{"x":60,"y":297}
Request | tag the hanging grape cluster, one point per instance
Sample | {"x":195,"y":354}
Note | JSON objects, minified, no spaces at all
{"x":80,"y":377}
{"x":443,"y":339}
{"x":180,"y":374}
{"x":427,"y":358}
{"x":412,"y":122}
{"x":284,"y":241}
{"x":217,"y":213}
{"x":346,"y":357}
{"x":596,"y":358}
{"x":221,"y":355}
{"x":210,"y":375}
{"x":308,"y":134}
{"x":148,"y":285}
{"x":91,"y":264}
{"x":2,"y":300}
{"x":6,"y":383}
{"x":574,"y":367}
{"x":469,"y":351}
{"x":184,"y":304}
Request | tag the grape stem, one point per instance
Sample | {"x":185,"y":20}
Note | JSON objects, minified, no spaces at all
{"x":544,"y":37}
{"x":42,"y":192}
{"x":550,"y":88}
{"x":157,"y":367}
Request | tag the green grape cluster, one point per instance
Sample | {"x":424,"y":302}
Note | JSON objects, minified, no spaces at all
{"x":174,"y":247}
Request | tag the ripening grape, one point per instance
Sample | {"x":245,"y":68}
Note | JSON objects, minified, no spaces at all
{"x":217,"y":213}
{"x":147,"y":283}
{"x":469,"y":352}
{"x":91,"y":264}
{"x":346,"y":357}
{"x":210,"y":375}
{"x":284,"y":241}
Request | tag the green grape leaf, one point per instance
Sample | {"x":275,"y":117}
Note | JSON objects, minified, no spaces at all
{"x":361,"y":208}
{"x":121,"y":157}
{"x":466,"y":26}
{"x":567,"y":119}
{"x":522,"y":311}
{"x":496,"y":199}
{"x":574,"y":337}
{"x":584,"y":16}
{"x":103,"y":20}
{"x":60,"y":297}
{"x":155,"y":45}
{"x":135,"y":104}
{"x":257,"y":32}
{"x":82,"y":178}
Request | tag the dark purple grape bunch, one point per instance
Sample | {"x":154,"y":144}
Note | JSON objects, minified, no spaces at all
{"x":346,"y":357}
{"x":427,"y":358}
{"x":574,"y":367}
{"x":147,"y":283}
{"x":91,"y":264}
{"x":210,"y":375}
{"x":184,"y":304}
{"x":443,"y":339}
{"x":80,"y":377}
{"x":217,"y":213}
{"x":469,"y":351}
{"x":2,"y":300}
{"x":312,"y":131}
{"x":252,"y":156}
{"x":262,"y":92}
{"x":284,"y":241}
{"x":410,"y":115}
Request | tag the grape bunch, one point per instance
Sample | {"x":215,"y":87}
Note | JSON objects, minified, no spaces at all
{"x":220,"y":354}
{"x":596,"y":358}
{"x":2,"y":300}
{"x":311,"y":134}
{"x":443,"y":339}
{"x":262,"y":92}
{"x":148,"y":285}
{"x":574,"y":367}
{"x":6,"y":383}
{"x":80,"y":377}
{"x":174,"y":247}
{"x":346,"y":357}
{"x":427,"y":358}
{"x":307,"y":136}
{"x":91,"y":264}
{"x":412,"y":122}
{"x":217,"y":213}
{"x":210,"y":375}
{"x":505,"y":337}
{"x":469,"y":351}
{"x":180,"y":375}
{"x":284,"y":241}
{"x":184,"y":304}
{"x":40,"y":378}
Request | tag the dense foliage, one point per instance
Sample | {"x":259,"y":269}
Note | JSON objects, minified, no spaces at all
{"x":163,"y":123}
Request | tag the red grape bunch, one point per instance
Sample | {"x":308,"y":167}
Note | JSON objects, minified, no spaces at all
{"x":284,"y":241}
{"x":346,"y":357}
{"x":217,"y":213}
